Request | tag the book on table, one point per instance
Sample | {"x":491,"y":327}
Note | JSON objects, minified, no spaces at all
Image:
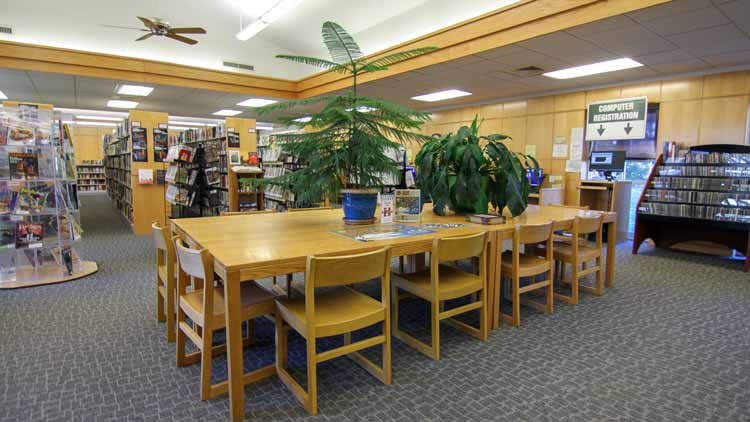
{"x":486,"y":219}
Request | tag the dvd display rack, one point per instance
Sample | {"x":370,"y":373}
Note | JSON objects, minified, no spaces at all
{"x":197,"y":174}
{"x":117,"y":169}
{"x":703,"y":195}
{"x":91,"y":176}
{"x":39,"y":210}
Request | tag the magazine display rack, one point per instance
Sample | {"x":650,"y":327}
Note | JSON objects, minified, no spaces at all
{"x":39,"y":217}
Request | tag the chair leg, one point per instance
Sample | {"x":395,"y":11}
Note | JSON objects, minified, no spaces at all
{"x":180,"y":340}
{"x":312,"y":378}
{"x":516,"y":300}
{"x":170,"y":311}
{"x":435,"y":329}
{"x":599,"y":282}
{"x":281,"y":343}
{"x":497,"y":309}
{"x":551,"y":295}
{"x":394,"y":301}
{"x":387,"y":377}
{"x":250,"y":332}
{"x":289,"y":278}
{"x":483,"y":326}
{"x":574,"y":285}
{"x":206,"y":352}
{"x":160,"y":316}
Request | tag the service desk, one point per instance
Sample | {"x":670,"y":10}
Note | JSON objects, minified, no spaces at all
{"x":254,"y":246}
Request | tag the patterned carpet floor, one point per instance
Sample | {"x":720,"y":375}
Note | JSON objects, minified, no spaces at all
{"x":670,"y":342}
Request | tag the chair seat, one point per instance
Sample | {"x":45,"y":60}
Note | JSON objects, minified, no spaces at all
{"x":563,"y":251}
{"x":452,"y":283}
{"x":528,"y":264}
{"x":339,"y":310}
{"x":162,"y":271}
{"x":256,"y":301}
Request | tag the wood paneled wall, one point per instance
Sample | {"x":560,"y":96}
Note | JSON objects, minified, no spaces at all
{"x":87,"y":141}
{"x":703,"y":110}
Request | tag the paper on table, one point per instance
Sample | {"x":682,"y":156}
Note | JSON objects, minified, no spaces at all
{"x":576,"y":143}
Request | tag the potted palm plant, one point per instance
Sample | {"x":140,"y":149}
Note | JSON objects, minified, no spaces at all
{"x":345,"y":147}
{"x":465,"y":172}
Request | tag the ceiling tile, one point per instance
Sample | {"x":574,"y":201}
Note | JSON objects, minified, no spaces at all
{"x":669,"y":9}
{"x":530,"y":58}
{"x":682,"y":66}
{"x":631,"y":41}
{"x":729,"y":59}
{"x":688,"y":21}
{"x":16,"y":85}
{"x":567,"y":48}
{"x":483,"y":67}
{"x":716,"y":40}
{"x":500,"y":52}
{"x":737,"y":11}
{"x":664,"y":57}
{"x":603,"y":25}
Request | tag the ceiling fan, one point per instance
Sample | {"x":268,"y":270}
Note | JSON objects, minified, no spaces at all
{"x":160,"y":27}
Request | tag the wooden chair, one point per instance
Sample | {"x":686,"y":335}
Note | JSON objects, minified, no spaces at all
{"x":290,"y":277}
{"x":516,"y":265}
{"x":339,"y":310}
{"x":166,"y":285}
{"x":577,"y":251}
{"x":441,"y":283}
{"x":228,"y":213}
{"x":205,"y":307}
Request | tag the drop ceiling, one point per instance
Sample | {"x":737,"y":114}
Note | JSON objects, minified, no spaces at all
{"x":678,"y":38}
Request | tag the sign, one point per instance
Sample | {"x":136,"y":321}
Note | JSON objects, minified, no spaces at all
{"x":576,"y":143}
{"x":616,"y":119}
{"x":559,"y":147}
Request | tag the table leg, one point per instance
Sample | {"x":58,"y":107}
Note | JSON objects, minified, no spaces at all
{"x":492,"y":250}
{"x":611,"y":252}
{"x":414,"y":263}
{"x":233,"y":306}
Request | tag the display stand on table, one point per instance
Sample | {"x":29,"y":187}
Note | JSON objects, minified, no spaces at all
{"x":39,"y":217}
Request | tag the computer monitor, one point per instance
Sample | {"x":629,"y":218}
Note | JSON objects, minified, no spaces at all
{"x":535,"y":177}
{"x":612,"y":161}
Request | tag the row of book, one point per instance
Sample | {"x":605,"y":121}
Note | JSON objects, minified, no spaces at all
{"x":740,"y":215}
{"x":698,"y":197}
{"x":185,"y":176}
{"x":199,"y":134}
{"x":705,"y":171}
{"x":31,"y":232}
{"x":710,"y":158}
{"x":27,"y":198}
{"x":696,"y":183}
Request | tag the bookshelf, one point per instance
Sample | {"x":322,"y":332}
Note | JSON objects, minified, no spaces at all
{"x":39,"y":209}
{"x":277,"y":162}
{"x":137,"y":148}
{"x":703,"y":195}
{"x":91,"y":176}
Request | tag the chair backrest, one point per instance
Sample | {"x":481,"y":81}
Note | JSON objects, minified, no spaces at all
{"x":589,"y":224}
{"x":533,"y":233}
{"x":460,"y":247}
{"x":348,"y":269}
{"x":227,"y":213}
{"x":164,"y":246}
{"x":308,"y":209}
{"x":193,"y":262}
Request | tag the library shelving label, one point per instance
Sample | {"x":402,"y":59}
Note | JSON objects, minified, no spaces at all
{"x":617,"y":119}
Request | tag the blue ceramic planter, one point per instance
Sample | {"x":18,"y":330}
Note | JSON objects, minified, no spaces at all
{"x":359,"y":205}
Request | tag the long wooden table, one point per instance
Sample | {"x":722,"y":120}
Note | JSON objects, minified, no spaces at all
{"x":249,"y":247}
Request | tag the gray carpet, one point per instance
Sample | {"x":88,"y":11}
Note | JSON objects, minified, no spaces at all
{"x":671,"y":342}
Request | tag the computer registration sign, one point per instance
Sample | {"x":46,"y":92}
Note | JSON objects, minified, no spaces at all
{"x":617,"y":119}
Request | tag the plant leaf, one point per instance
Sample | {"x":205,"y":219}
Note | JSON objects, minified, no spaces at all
{"x":341,"y":45}
{"x":383,"y":62}
{"x":314,"y":61}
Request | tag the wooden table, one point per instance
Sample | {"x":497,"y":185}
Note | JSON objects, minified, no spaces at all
{"x":248,"y":247}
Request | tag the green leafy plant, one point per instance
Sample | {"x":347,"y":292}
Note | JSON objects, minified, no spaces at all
{"x":346,"y":144}
{"x":465,"y":172}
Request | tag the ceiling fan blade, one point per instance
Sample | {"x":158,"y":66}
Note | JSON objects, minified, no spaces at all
{"x":187,"y":30}
{"x":145,"y":36}
{"x":148,"y":22}
{"x":123,"y":27}
{"x":180,"y":38}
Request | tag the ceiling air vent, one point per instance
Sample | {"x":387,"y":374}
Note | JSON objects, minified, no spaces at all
{"x":6,"y":30}
{"x":529,"y":71}
{"x":239,"y":66}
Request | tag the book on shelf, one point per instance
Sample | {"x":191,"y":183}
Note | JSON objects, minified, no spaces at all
{"x":171,"y":174}
{"x":173,"y":152}
{"x":23,"y":165}
{"x":186,"y":153}
{"x":212,"y":176}
{"x":28,"y":234}
{"x":193,"y":176}
{"x":407,"y":205}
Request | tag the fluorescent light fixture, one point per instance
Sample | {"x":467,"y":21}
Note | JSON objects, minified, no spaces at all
{"x":262,"y":127}
{"x":594,"y":68}
{"x":363,"y":109}
{"x":441,"y":95}
{"x":277,"y":11}
{"x":256,"y":102}
{"x":303,"y":119}
{"x":136,"y":90}
{"x":3,"y":96}
{"x":179,"y":128}
{"x":80,"y":123}
{"x":181,"y":123}
{"x":122,"y":104}
{"x":225,"y":112}
{"x":103,"y":118}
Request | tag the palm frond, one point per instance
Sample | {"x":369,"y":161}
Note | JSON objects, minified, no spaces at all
{"x":288,"y":105}
{"x":383,"y":62}
{"x":314,"y":61}
{"x":340,"y":44}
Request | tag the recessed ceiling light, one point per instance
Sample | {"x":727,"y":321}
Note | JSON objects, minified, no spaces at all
{"x":122,"y":104}
{"x":266,"y":18}
{"x":103,"y":118}
{"x":303,"y":119}
{"x":3,"y":96}
{"x":593,"y":69}
{"x":256,"y":102}
{"x":441,"y":95}
{"x":181,"y":123}
{"x":137,"y":90}
{"x":225,"y":112}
